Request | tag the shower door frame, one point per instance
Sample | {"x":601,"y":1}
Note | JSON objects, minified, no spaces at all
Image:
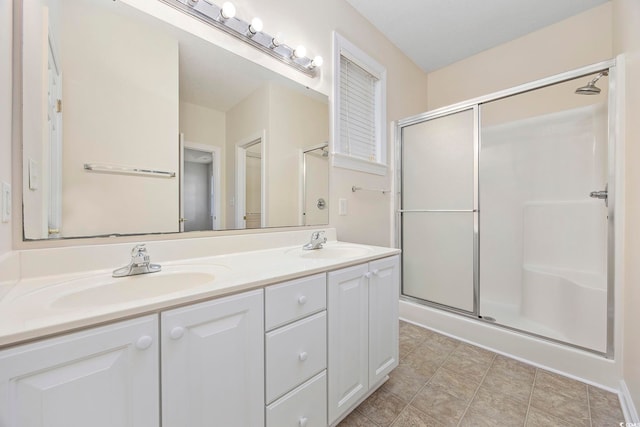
{"x":475,"y":104}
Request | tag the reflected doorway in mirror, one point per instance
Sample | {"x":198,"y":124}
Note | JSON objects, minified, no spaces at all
{"x":199,"y":186}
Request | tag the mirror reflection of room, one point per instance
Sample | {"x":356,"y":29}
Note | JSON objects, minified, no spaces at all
{"x":103,"y":158}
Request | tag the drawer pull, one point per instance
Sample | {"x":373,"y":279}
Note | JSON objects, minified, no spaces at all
{"x":302,"y":300}
{"x":303,"y":422}
{"x":367,"y":275}
{"x":144,"y":342}
{"x":375,"y":272}
{"x":177,"y":332}
{"x":303,"y":356}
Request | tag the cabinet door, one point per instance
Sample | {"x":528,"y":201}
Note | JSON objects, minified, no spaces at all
{"x":103,"y":377}
{"x":213,"y":363}
{"x":348,"y":345}
{"x":384,"y":286}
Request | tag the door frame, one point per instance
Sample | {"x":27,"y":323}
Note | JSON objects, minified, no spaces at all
{"x":215,"y":152}
{"x":612,"y":229}
{"x":52,"y":193}
{"x":241,"y":146}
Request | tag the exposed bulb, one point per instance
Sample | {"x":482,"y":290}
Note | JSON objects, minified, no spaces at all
{"x":277,"y":40}
{"x":256,"y":25}
{"x":317,"y":62}
{"x":228,"y":10}
{"x":300,"y":52}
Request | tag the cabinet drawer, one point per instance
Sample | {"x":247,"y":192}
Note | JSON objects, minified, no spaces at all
{"x":306,"y":406}
{"x":294,"y":353}
{"x":294,"y":300}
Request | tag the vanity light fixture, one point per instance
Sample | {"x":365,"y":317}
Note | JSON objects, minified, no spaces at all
{"x":224,"y":18}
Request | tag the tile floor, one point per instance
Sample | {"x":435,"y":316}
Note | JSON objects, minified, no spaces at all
{"x":444,"y":382}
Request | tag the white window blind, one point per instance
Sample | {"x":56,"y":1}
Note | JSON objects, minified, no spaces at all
{"x":357,"y":112}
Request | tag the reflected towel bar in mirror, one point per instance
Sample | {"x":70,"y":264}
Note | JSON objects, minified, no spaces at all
{"x":356,"y":188}
{"x":127,"y":170}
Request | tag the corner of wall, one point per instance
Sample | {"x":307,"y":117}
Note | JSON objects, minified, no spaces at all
{"x":6,"y":27}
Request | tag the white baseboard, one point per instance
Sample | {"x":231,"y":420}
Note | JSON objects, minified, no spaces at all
{"x":628,"y":407}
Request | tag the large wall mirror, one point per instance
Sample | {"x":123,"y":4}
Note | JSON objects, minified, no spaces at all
{"x":132,"y":126}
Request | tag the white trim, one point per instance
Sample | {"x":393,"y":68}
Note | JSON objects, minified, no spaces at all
{"x":181,"y":183}
{"x":349,"y":162}
{"x":627,"y":405}
{"x":343,"y":47}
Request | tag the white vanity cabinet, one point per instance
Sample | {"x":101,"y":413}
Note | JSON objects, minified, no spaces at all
{"x":296,"y":353}
{"x":362,"y":330}
{"x":213,"y":363}
{"x":101,"y":377}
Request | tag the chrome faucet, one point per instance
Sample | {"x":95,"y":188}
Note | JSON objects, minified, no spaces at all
{"x":316,"y":242}
{"x":140,"y":264}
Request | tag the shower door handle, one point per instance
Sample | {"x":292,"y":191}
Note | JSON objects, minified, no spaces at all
{"x":604,"y":195}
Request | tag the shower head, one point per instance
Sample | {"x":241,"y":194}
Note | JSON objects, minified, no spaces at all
{"x":591,"y":88}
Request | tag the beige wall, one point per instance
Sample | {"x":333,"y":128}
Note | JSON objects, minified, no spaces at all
{"x":295,"y":121}
{"x":246,"y":120}
{"x":202,"y":125}
{"x":120,"y":91}
{"x":5,"y":110}
{"x":580,"y":40}
{"x":626,"y":18}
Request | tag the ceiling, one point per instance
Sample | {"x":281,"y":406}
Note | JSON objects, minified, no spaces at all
{"x":436,"y":33}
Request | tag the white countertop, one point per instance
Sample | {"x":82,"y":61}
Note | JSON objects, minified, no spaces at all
{"x":37,"y":307}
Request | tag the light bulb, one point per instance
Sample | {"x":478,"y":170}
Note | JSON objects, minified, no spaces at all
{"x":300,"y":52}
{"x":228,"y":10}
{"x":256,"y":25}
{"x":317,"y":62}
{"x":277,"y":40}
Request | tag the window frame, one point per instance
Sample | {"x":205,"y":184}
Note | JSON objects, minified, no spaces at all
{"x":343,"y":47}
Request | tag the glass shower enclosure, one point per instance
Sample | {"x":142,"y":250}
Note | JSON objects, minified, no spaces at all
{"x":506,"y":208}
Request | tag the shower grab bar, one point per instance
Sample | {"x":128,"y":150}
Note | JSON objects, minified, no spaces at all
{"x":438,"y":210}
{"x":126,"y":170}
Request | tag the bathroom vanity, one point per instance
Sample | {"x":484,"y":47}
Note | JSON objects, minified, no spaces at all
{"x":298,"y":339}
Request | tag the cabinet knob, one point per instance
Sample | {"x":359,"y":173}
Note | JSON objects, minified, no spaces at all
{"x":302,"y":300}
{"x":303,"y":421}
{"x":375,"y":272}
{"x":303,"y":356}
{"x":177,"y":332}
{"x":144,"y":342}
{"x":367,"y":275}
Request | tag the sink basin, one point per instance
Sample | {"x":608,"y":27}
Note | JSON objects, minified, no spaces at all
{"x":105,"y":290}
{"x":332,"y":252}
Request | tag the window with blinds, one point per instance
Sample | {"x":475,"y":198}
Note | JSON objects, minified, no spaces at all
{"x":359,"y":116}
{"x":357,"y":111}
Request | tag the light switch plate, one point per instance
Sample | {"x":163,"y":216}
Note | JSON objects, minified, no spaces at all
{"x":5,"y":202}
{"x":342,"y":207}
